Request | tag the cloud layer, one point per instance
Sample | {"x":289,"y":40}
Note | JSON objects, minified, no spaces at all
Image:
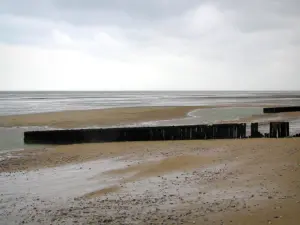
{"x":149,"y":45}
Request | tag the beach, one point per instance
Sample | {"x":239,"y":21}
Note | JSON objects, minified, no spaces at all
{"x":187,"y":182}
{"x":160,"y":112}
{"x":242,"y":181}
{"x":251,"y":181}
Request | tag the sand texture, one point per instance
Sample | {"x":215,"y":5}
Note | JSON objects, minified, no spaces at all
{"x":122,"y":116}
{"x":251,"y":181}
{"x":102,"y":117}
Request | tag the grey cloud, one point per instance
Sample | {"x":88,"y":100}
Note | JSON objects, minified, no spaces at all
{"x":247,"y":16}
{"x":239,"y":37}
{"x":91,"y":12}
{"x":150,"y":10}
{"x":143,"y":21}
{"x":30,"y":8}
{"x":259,"y":15}
{"x":260,"y":6}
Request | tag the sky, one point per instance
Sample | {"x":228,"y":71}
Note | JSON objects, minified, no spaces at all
{"x":150,"y":45}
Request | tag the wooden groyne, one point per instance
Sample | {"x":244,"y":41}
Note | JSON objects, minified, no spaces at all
{"x":279,"y":129}
{"x":282,"y":109}
{"x":162,"y":133}
{"x":193,"y":132}
{"x":255,"y":131}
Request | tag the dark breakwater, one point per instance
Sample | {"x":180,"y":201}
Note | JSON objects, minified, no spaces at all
{"x":193,"y":132}
{"x":162,"y":133}
{"x":279,"y":129}
{"x":282,"y":109}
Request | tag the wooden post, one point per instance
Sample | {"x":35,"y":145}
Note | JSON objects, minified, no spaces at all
{"x":284,"y":129}
{"x":254,"y":129}
{"x":273,"y":130}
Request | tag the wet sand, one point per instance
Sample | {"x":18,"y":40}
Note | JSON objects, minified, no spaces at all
{"x":254,"y":181}
{"x":120,"y":116}
{"x":103,"y":117}
{"x":270,"y":117}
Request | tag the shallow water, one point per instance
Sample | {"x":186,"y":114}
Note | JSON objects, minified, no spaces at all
{"x":11,"y":139}
{"x":34,"y":102}
{"x":209,"y":116}
{"x":23,"y":192}
{"x":60,"y":182}
{"x":229,"y":113}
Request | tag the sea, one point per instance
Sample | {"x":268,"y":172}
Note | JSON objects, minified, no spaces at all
{"x":12,"y":103}
{"x":16,"y":103}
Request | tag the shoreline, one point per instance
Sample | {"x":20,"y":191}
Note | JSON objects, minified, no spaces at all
{"x":108,"y":116}
{"x":123,"y":116}
{"x":101,"y":117}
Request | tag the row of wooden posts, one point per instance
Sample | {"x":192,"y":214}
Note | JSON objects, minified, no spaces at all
{"x":282,"y":109}
{"x":277,"y":130}
{"x":193,"y":132}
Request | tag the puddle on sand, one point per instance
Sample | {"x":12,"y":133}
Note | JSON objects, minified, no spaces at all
{"x":11,"y":138}
{"x":61,"y":183}
{"x":22,"y":193}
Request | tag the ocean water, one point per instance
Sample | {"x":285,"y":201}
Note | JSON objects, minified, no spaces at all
{"x":14,"y":103}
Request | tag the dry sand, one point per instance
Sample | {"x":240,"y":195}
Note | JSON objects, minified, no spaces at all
{"x":251,"y":181}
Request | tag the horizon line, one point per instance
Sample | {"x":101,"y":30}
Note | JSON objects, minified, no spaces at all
{"x":175,"y":90}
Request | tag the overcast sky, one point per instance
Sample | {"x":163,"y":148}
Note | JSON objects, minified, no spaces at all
{"x":150,"y":45}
